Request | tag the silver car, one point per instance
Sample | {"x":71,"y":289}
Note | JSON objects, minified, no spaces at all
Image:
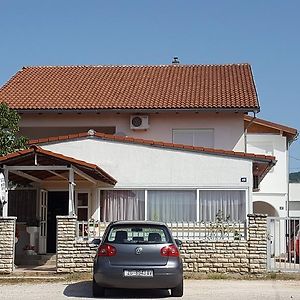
{"x":138,"y":255}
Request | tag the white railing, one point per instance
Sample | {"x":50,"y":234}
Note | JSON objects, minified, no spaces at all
{"x":209,"y":231}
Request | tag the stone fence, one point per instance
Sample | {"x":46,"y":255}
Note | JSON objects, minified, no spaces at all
{"x":237,"y":256}
{"x":74,"y":255}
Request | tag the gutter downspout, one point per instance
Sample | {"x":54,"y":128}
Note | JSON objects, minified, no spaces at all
{"x":246,"y":131}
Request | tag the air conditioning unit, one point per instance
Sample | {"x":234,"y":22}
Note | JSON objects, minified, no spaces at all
{"x":138,"y":122}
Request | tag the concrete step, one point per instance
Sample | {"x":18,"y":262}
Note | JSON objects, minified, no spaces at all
{"x":36,"y":260}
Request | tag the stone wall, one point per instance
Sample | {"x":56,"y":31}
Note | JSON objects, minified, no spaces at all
{"x":72,"y":255}
{"x":243,"y":257}
{"x":221,"y":257}
{"x":7,"y":244}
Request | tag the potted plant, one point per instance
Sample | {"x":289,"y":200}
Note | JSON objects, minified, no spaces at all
{"x":29,"y":250}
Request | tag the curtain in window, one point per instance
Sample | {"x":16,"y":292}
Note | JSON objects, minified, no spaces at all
{"x":226,"y":204}
{"x":122,"y":205}
{"x":171,"y":206}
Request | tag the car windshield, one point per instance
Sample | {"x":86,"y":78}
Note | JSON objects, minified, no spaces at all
{"x":138,"y":234}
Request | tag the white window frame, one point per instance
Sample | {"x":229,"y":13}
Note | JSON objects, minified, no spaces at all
{"x":194,"y":130}
{"x":83,"y":206}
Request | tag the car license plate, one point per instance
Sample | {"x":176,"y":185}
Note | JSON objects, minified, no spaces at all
{"x":138,"y":273}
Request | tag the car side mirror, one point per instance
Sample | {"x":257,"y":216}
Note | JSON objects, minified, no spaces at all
{"x":178,"y":243}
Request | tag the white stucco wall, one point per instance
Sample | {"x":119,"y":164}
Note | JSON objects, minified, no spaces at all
{"x":135,"y":165}
{"x":274,"y":187}
{"x":228,"y":127}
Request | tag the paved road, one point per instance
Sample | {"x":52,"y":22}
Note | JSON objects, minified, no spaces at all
{"x":194,"y":289}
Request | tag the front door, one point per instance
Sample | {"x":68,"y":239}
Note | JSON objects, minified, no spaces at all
{"x":58,"y":205}
{"x":43,"y":223}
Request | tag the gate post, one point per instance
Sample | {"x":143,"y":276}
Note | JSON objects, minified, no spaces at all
{"x":66,"y":236}
{"x":7,"y":244}
{"x":257,"y":243}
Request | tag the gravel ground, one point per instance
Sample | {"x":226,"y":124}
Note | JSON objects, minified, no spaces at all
{"x":194,"y":289}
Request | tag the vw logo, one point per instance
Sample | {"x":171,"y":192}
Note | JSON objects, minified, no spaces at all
{"x":138,"y":250}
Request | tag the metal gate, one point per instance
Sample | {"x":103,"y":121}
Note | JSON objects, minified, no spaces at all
{"x":283,"y":244}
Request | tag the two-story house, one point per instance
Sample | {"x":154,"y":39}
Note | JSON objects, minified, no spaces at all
{"x":164,"y":143}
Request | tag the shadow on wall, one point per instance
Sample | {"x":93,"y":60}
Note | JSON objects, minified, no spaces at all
{"x":261,"y":207}
{"x":83,"y":289}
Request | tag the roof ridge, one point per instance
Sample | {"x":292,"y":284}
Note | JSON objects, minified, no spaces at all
{"x":134,"y":65}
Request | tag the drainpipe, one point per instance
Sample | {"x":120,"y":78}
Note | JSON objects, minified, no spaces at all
{"x":246,"y":130}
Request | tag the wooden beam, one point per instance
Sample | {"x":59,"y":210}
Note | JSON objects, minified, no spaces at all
{"x":38,"y":168}
{"x":25,"y":175}
{"x":58,"y":175}
{"x":85,"y":176}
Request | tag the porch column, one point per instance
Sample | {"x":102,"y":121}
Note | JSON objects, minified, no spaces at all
{"x":4,"y":204}
{"x":71,"y":193}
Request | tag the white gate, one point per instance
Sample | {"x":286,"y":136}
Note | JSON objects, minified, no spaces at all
{"x":283,"y":244}
{"x":43,"y":224}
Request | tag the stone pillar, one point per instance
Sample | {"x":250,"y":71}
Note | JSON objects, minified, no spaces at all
{"x":66,"y":238}
{"x":7,"y":244}
{"x":257,"y":243}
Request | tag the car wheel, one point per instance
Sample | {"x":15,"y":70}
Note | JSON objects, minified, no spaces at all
{"x":178,"y":290}
{"x":98,"y":291}
{"x":297,"y":259}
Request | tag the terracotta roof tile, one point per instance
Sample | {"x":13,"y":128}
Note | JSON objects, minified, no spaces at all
{"x":160,"y":144}
{"x":132,"y":87}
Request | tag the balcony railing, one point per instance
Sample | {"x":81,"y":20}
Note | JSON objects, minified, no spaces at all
{"x":207,"y":231}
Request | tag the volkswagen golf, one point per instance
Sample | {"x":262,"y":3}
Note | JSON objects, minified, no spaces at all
{"x":138,"y":255}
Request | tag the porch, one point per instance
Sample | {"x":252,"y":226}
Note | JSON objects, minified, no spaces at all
{"x":38,"y":186}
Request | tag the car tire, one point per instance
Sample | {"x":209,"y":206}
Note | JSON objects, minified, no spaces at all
{"x":98,"y":291}
{"x":178,"y":290}
{"x":297,"y":259}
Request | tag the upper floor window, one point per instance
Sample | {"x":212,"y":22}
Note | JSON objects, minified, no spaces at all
{"x":194,"y":137}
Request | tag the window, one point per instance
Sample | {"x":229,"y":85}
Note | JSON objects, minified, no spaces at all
{"x":194,"y":137}
{"x":122,"y":205}
{"x":138,"y":234}
{"x":171,"y":206}
{"x":225,"y":204}
{"x":82,"y":206}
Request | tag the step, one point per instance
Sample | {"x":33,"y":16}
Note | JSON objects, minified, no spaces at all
{"x":37,"y":260}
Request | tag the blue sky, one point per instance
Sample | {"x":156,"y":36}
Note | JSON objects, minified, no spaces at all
{"x":264,"y":33}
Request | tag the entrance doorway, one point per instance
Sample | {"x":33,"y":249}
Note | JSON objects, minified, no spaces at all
{"x":58,"y":205}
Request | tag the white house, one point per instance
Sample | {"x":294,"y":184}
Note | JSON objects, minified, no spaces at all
{"x":136,"y":142}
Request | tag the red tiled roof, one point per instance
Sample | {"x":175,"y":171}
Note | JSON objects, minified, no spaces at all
{"x":160,"y":144}
{"x":261,"y":126}
{"x":93,"y":170}
{"x":197,"y":87}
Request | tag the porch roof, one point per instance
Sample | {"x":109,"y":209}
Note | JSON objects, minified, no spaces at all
{"x":42,"y":161}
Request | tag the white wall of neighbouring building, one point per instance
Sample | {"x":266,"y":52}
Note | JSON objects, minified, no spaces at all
{"x":294,"y":200}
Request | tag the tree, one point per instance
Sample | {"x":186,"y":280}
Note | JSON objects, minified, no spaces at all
{"x":9,"y":128}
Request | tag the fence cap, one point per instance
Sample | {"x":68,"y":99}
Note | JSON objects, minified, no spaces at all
{"x":7,"y":218}
{"x":257,"y":215}
{"x":67,"y":217}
